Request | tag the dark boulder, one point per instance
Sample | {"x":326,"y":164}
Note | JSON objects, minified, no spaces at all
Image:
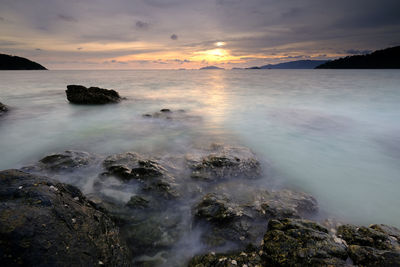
{"x":223,"y":162}
{"x":297,"y":242}
{"x":152,"y":175}
{"x":79,"y":94}
{"x":376,"y":245}
{"x":47,"y":223}
{"x":66,"y":161}
{"x":243,"y":221}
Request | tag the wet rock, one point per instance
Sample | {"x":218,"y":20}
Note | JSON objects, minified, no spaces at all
{"x":3,"y":108}
{"x":222,"y":162}
{"x":66,"y":161}
{"x":153,"y":232}
{"x":243,"y":221}
{"x":138,"y":202}
{"x":287,"y":204}
{"x":46,"y":223}
{"x":79,"y":94}
{"x":168,"y":114}
{"x":297,"y":242}
{"x":376,"y":245}
{"x":249,"y":258}
{"x":151,"y":174}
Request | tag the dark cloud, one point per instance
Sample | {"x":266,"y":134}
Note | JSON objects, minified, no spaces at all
{"x":79,"y":48}
{"x":38,"y":49}
{"x":251,"y":29}
{"x":66,"y":18}
{"x":142,"y":25}
{"x":9,"y":43}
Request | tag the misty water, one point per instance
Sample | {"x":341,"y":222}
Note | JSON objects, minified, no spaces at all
{"x":334,"y":134}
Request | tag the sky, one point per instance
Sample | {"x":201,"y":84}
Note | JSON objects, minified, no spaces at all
{"x":173,"y":34}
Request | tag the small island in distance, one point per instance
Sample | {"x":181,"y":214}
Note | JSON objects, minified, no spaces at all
{"x":8,"y":62}
{"x":211,"y":68}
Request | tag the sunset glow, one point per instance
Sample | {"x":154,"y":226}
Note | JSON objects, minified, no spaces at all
{"x":155,"y":34}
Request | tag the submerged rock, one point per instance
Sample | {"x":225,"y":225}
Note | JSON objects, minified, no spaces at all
{"x":243,"y":221}
{"x":221,"y":162}
{"x":79,"y":94}
{"x":376,"y":245}
{"x":46,"y":223}
{"x":175,"y":115}
{"x":297,"y":242}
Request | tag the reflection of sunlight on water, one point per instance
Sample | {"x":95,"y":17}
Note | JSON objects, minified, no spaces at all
{"x":215,"y":98}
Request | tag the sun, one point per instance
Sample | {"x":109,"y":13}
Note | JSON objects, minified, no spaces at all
{"x":219,"y":44}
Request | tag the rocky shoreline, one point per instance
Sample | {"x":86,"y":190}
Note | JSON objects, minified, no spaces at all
{"x":45,"y":222}
{"x":199,"y":208}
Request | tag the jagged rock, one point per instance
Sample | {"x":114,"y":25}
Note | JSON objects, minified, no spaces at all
{"x":66,"y":161}
{"x":221,"y":162}
{"x":297,"y":242}
{"x":46,"y":223}
{"x":376,"y":245}
{"x":244,"y":221}
{"x":79,"y":94}
{"x":152,"y":175}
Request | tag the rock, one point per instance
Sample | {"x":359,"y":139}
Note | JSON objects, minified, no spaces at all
{"x":66,"y":161}
{"x":138,"y":202}
{"x":376,"y":245}
{"x":249,"y":258}
{"x":243,"y":221}
{"x":297,"y":242}
{"x":79,"y":94}
{"x":152,"y":232}
{"x":167,"y":114}
{"x":3,"y":108}
{"x":221,"y":162}
{"x":46,"y":223}
{"x":287,"y":204}
{"x":151,"y":174}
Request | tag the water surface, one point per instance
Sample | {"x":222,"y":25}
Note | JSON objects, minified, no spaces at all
{"x":332,"y":133}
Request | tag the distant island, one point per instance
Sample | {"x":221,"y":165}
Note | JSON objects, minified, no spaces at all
{"x":211,"y":68}
{"x":8,"y":62}
{"x":388,"y":58}
{"x":298,"y":64}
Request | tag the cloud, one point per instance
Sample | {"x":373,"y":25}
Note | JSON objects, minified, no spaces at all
{"x":2,"y":19}
{"x":38,"y":49}
{"x":174,"y":37}
{"x":66,"y":18}
{"x":142,"y":25}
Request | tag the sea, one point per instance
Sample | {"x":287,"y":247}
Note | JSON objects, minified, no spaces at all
{"x":334,"y":134}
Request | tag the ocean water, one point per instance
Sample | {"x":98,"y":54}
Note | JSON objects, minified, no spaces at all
{"x":332,"y":133}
